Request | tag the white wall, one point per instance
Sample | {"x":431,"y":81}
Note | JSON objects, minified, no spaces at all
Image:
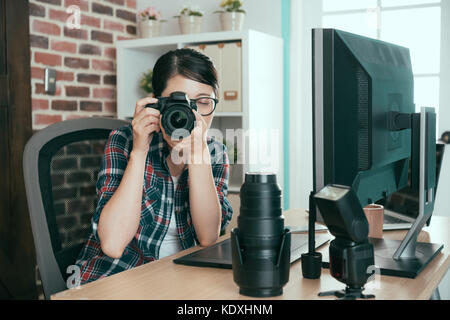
{"x":305,"y":15}
{"x":444,"y":117}
{"x":262,"y":15}
{"x":443,"y":202}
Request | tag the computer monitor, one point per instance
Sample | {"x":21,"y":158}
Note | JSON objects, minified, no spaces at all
{"x":366,"y":133}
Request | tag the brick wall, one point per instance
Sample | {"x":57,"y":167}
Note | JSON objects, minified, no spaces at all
{"x":74,"y":171}
{"x":84,"y":58}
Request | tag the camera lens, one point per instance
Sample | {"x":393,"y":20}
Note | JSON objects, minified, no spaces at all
{"x":178,"y":119}
{"x":260,"y":243}
{"x":260,"y":213}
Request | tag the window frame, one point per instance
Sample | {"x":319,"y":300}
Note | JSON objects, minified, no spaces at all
{"x":379,"y":9}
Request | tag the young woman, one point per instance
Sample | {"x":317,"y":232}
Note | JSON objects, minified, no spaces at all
{"x":151,"y":205}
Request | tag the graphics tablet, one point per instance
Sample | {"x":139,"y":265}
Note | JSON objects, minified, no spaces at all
{"x":219,"y":255}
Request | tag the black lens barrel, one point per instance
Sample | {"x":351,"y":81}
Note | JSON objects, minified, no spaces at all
{"x":260,"y":243}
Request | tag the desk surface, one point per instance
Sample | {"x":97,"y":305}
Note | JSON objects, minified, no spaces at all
{"x":164,"y":279}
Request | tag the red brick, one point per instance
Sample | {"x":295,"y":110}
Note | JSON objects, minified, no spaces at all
{"x":113,"y":25}
{"x":126,"y":15}
{"x":39,"y":88}
{"x":88,"y":78}
{"x":109,"y":79}
{"x":46,"y":27}
{"x":76,"y":63}
{"x":72,"y":91}
{"x":38,"y":41}
{"x":104,"y":93}
{"x":37,"y":73}
{"x":64,"y":46}
{"x":82,"y":4}
{"x":75,"y":33}
{"x":131,"y":4}
{"x":119,"y":2}
{"x":86,"y":48}
{"x":64,"y":76}
{"x":54,"y":2}
{"x":47,"y":58}
{"x":110,"y":53}
{"x":101,"y":9}
{"x":59,"y":15}
{"x":90,"y":21}
{"x":103,"y":65}
{"x":110,"y":106}
{"x":64,"y":105}
{"x":46,"y":119}
{"x":74,"y":116}
{"x":131,"y":29}
{"x":37,"y":10}
{"x":90,"y":106}
{"x":102,"y":36}
{"x":39,"y":104}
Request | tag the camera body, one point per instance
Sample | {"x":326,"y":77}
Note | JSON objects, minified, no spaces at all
{"x":177,"y":117}
{"x":350,"y":261}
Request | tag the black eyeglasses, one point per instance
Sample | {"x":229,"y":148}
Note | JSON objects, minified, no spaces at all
{"x":205,"y":105}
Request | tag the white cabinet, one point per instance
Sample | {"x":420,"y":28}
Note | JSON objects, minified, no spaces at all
{"x":250,"y":67}
{"x":227,"y":58}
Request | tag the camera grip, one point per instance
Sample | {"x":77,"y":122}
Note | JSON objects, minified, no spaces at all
{"x":153,"y":105}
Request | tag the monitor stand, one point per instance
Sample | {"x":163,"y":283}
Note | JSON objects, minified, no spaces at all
{"x":411,"y":256}
{"x":404,"y":267}
{"x":407,"y":258}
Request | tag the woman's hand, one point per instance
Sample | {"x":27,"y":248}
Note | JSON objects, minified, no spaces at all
{"x":145,"y":122}
{"x":192,"y":149}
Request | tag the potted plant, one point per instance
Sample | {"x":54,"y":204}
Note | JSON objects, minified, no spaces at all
{"x":232,"y":16}
{"x":146,"y":83}
{"x":149,"y":22}
{"x":190,"y":19}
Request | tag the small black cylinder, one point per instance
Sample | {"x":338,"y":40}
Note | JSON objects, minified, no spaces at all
{"x":260,"y":243}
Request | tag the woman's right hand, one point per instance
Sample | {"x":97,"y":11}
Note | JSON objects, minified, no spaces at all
{"x":145,"y":122}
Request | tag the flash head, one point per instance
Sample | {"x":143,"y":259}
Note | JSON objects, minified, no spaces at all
{"x":342,"y":213}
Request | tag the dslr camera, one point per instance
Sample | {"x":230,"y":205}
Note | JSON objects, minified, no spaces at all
{"x":177,"y":117}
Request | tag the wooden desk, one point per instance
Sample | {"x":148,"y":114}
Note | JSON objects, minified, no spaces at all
{"x":164,"y":279}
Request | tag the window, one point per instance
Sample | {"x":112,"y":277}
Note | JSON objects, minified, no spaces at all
{"x":415,"y":24}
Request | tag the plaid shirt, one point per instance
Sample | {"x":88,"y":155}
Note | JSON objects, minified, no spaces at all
{"x":159,"y":200}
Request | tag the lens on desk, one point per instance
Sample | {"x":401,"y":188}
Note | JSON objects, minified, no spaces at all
{"x":260,"y":243}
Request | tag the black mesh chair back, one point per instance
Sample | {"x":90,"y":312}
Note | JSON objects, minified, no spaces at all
{"x":61,"y":164}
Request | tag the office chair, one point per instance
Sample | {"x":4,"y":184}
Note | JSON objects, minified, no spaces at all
{"x":61,"y":164}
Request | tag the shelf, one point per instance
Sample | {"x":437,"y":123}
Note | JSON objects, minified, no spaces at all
{"x":262,"y":72}
{"x":234,"y":189}
{"x":142,"y":44}
{"x":228,"y":114}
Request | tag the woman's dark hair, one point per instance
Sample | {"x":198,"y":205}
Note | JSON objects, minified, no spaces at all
{"x":186,"y":62}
